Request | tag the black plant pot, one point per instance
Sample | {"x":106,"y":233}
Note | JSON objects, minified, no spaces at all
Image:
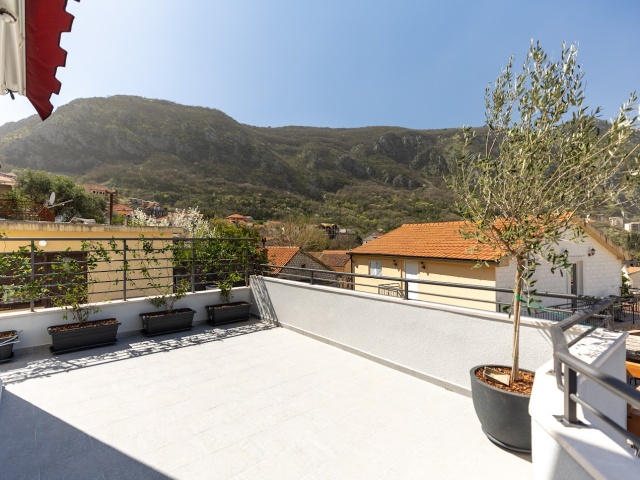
{"x":504,"y":415}
{"x":6,"y":350}
{"x":228,"y":312}
{"x":158,"y":323}
{"x":80,"y":336}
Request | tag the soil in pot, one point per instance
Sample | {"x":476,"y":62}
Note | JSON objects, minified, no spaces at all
{"x":91,"y":324}
{"x":523,"y":386}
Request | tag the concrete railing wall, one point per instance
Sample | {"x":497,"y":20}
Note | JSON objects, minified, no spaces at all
{"x":34,"y":324}
{"x":578,"y":453}
{"x":437,"y":342}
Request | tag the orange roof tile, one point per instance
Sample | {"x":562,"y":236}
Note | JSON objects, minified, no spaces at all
{"x":332,"y":259}
{"x":281,"y":256}
{"x":428,"y":240}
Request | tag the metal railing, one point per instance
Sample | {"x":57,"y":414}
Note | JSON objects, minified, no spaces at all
{"x":391,"y":290}
{"x":446,"y":293}
{"x":567,"y":367}
{"x":126,"y":268}
{"x":625,"y":311}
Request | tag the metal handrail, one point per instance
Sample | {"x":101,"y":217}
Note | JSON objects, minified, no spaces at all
{"x":306,"y":273}
{"x":123,"y":270}
{"x":567,"y":367}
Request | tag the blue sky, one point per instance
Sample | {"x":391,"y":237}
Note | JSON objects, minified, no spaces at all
{"x":336,"y":63}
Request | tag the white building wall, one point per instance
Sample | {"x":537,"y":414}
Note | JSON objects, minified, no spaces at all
{"x":601,"y":273}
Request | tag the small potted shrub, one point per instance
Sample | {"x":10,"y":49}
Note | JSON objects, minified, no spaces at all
{"x":7,"y":340}
{"x":169,"y":319}
{"x":165,"y":291}
{"x":228,"y":311}
{"x":70,"y":284}
{"x":16,"y":267}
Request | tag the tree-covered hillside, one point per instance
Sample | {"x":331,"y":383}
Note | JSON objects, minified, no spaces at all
{"x":364,"y":178}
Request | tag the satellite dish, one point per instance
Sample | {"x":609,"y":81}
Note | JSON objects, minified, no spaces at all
{"x":52,"y":198}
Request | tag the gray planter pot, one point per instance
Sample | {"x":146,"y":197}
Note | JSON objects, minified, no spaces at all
{"x":504,"y":415}
{"x":228,"y":313}
{"x":6,"y":346}
{"x":158,"y":323}
{"x":80,"y":336}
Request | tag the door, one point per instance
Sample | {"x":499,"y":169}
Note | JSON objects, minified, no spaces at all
{"x":575,"y":282}
{"x":411,"y":273}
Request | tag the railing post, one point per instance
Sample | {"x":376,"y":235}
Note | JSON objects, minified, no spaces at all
{"x":193,"y":265}
{"x":406,"y":290}
{"x":246,"y":263}
{"x":311,"y":278}
{"x":32,"y":301}
{"x":125,"y":269}
{"x":570,"y":388}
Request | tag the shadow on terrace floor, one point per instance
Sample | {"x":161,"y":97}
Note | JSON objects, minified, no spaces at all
{"x":41,"y":364}
{"x":37,"y":445}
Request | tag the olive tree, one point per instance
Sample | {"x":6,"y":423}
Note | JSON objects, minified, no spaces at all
{"x":543,"y":159}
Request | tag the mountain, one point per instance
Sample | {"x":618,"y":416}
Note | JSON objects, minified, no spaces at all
{"x":364,"y":178}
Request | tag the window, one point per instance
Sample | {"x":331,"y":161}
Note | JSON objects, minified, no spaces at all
{"x":375,"y":267}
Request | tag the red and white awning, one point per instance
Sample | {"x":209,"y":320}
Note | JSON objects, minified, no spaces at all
{"x":30,"y":50}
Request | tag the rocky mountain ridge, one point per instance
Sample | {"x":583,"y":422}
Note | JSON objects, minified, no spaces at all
{"x":365,"y":178}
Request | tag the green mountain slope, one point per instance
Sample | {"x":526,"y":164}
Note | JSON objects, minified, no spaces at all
{"x":364,"y":178}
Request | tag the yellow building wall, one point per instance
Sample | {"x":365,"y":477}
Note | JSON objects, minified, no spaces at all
{"x":446,"y":271}
{"x":107,"y":282}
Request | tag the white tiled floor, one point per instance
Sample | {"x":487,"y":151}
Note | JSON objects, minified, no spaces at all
{"x":244,"y":402}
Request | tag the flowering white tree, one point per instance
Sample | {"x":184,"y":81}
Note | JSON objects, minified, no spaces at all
{"x":193,"y":222}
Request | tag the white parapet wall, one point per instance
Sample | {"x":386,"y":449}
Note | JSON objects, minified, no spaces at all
{"x":439,"y":343}
{"x":33,"y":325}
{"x":594,"y":450}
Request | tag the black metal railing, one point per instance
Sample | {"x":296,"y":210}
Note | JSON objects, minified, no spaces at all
{"x":446,"y":293}
{"x":625,"y":310}
{"x":567,"y":367}
{"x":391,"y":290}
{"x":40,"y":272}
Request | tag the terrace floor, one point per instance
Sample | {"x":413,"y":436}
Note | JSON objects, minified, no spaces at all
{"x":244,"y":402}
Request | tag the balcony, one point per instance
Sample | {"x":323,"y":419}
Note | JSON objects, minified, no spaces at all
{"x":324,"y":383}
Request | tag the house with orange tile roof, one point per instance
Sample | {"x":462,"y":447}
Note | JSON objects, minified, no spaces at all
{"x":338,"y":261}
{"x":122,"y":209}
{"x":238,"y":219}
{"x":634,"y":275}
{"x":297,"y":259}
{"x":438,"y":252}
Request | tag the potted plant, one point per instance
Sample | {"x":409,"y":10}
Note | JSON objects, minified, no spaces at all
{"x":157,"y":267}
{"x":69,"y":288}
{"x":228,"y":311}
{"x":26,"y":283}
{"x":7,"y":340}
{"x":543,"y":162}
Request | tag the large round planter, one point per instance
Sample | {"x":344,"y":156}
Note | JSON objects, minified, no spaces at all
{"x":504,"y":415}
{"x":159,"y":323}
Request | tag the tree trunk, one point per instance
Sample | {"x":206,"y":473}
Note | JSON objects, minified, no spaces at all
{"x":521,"y":264}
